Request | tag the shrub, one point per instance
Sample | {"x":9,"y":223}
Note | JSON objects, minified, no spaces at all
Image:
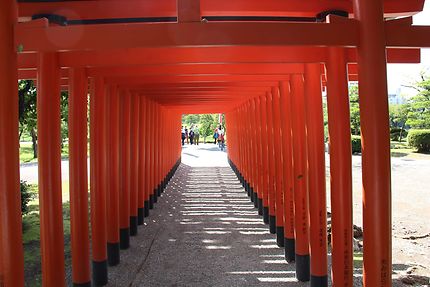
{"x":26,"y":197}
{"x":420,"y":140}
{"x":395,"y":134}
{"x":356,"y":144}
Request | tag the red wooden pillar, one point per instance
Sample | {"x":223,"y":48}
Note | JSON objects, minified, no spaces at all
{"x":316,"y":170}
{"x":247,"y":164}
{"x":11,"y":252}
{"x":124,"y":196}
{"x":113,"y":187}
{"x":272,"y":167}
{"x":340,"y":168}
{"x":261,"y":171}
{"x":255,"y":153}
{"x":134,"y":162}
{"x":301,"y":197}
{"x":265,"y":154}
{"x":147,"y":159}
{"x":288,"y":171}
{"x":49,"y":155}
{"x":98,"y":181}
{"x":277,"y":141}
{"x":375,"y":142}
{"x":151,"y":154}
{"x":156,"y":149}
{"x":78,"y":151}
{"x":141,"y":180}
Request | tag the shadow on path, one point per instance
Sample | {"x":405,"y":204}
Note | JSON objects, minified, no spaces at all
{"x":203,"y":232}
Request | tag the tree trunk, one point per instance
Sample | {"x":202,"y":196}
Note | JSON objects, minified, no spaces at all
{"x":401,"y":133}
{"x":34,"y":140}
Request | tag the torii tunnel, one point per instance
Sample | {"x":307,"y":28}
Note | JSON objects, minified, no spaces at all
{"x":145,"y":62}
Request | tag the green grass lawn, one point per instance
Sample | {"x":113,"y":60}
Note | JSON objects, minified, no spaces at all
{"x":26,"y":152}
{"x":31,"y":237}
{"x":401,"y":149}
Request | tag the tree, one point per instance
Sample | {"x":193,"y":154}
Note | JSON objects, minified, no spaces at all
{"x":64,"y":113}
{"x":190,"y":119}
{"x":207,"y":125}
{"x":27,"y":95}
{"x":27,"y":111}
{"x":419,"y":112}
{"x":354,"y":107}
{"x":398,"y":118}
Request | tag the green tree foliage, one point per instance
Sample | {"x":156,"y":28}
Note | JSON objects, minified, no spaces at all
{"x":398,"y":118}
{"x":26,"y":196}
{"x":27,"y":111}
{"x":354,"y":109}
{"x":190,"y":119}
{"x":64,"y":113}
{"x":419,"y":111}
{"x":27,"y":95}
{"x":208,"y":123}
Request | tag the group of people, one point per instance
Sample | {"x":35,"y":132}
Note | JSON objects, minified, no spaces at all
{"x":192,"y":135}
{"x":219,"y":137}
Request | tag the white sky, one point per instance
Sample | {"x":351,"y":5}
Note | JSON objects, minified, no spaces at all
{"x":404,"y":74}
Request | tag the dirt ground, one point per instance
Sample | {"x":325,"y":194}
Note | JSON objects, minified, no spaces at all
{"x":206,"y":234}
{"x":410,"y":178}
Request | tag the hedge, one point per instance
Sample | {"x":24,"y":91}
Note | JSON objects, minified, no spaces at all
{"x":395,"y":134}
{"x":26,"y":196}
{"x":420,"y":140}
{"x":356,"y":144}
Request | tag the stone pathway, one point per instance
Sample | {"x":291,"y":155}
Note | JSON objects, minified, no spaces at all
{"x":203,"y":231}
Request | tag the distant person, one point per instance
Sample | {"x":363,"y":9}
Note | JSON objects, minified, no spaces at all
{"x":221,"y":137}
{"x":186,"y":135}
{"x":215,"y":136}
{"x":183,"y":135}
{"x":191,"y":135}
{"x":196,"y":135}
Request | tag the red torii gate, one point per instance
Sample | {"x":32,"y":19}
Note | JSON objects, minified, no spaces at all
{"x":202,"y":56}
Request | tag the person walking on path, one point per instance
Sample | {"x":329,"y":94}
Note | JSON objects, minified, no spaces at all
{"x":191,"y":135}
{"x":186,"y":135}
{"x":215,"y":136}
{"x":183,"y":135}
{"x":196,"y":135}
{"x":221,"y":137}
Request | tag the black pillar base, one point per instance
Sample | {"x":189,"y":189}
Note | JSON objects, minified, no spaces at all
{"x":272,"y":224}
{"x":290,"y":249}
{"x":319,"y":281}
{"x":113,"y":253}
{"x":251,"y":194}
{"x":133,"y":225}
{"x":151,"y":201}
{"x":146,"y":208}
{"x":124,"y":238}
{"x":100,"y":273}
{"x":303,"y":267}
{"x":87,"y":284}
{"x":159,"y":189}
{"x":260,"y":206}
{"x":140,"y":215}
{"x":280,"y":236}
{"x":254,"y":194}
{"x":266,"y":215}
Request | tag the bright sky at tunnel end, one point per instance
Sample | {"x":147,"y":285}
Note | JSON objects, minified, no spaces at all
{"x":400,"y":75}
